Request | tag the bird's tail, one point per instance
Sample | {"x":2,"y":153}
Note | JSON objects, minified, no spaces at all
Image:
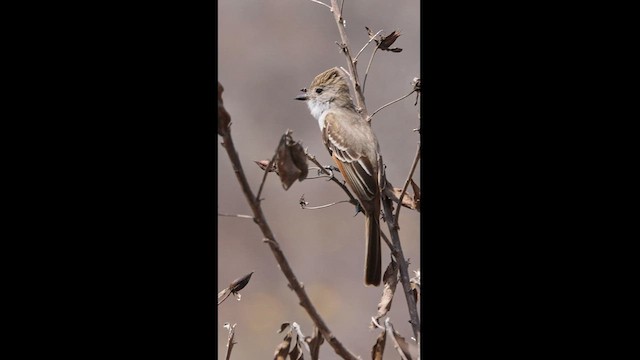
{"x":373,"y":256}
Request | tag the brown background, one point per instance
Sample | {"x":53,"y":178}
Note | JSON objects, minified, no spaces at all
{"x":267,"y":52}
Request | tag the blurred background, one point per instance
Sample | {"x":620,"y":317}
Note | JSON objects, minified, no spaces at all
{"x":267,"y":52}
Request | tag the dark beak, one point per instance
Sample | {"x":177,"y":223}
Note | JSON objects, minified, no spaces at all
{"x":302,"y":97}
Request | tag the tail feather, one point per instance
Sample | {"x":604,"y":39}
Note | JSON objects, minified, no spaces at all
{"x":373,"y":256}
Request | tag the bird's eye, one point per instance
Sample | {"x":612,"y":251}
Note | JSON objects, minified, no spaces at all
{"x":319,"y":91}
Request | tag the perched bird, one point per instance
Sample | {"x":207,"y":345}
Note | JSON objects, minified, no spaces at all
{"x":354,"y":148}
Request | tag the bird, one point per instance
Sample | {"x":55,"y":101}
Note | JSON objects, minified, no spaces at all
{"x":355,"y":150}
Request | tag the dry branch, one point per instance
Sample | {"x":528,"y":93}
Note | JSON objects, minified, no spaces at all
{"x":260,"y":220}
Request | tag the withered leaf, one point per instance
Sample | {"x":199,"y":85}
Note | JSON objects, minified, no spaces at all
{"x":414,"y":283}
{"x":283,"y":327}
{"x":390,"y":279}
{"x":417,"y":87}
{"x":407,"y":200}
{"x":283,"y":348}
{"x":291,"y":162}
{"x":264,"y":163}
{"x":239,"y":283}
{"x":300,"y":159}
{"x":300,"y":336}
{"x":417,"y":84}
{"x":287,"y":169}
{"x":404,"y":347}
{"x":296,"y":351}
{"x":224,"y":120}
{"x":378,"y":348}
{"x":369,"y":32}
{"x":416,"y":196}
{"x":400,"y":343}
{"x":314,"y":343}
{"x":388,"y":40}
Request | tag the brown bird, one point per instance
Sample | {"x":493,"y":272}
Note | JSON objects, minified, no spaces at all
{"x":354,"y":148}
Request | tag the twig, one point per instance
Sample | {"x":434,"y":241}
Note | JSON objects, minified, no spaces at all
{"x":284,"y":266}
{"x":390,"y":331}
{"x":237,"y":215}
{"x":321,"y":3}
{"x":406,"y":183}
{"x":366,"y":73}
{"x":352,"y":199}
{"x":325,"y":206}
{"x":264,"y":177}
{"x":386,"y":239}
{"x":390,"y":103}
{"x":230,"y":341}
{"x":337,"y":14}
{"x":361,"y":50}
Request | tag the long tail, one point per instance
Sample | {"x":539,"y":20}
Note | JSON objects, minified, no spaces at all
{"x":373,"y":257}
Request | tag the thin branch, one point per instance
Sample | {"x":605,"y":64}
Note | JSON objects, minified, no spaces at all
{"x":324,"y":206}
{"x":390,"y":103}
{"x":230,"y":341}
{"x":321,"y":3}
{"x":337,"y":14}
{"x":283,"y":263}
{"x":236,"y":215}
{"x":224,"y":293}
{"x":386,"y":239}
{"x":366,"y":73}
{"x":273,"y":159}
{"x":406,"y":183}
{"x":391,"y":332}
{"x":352,"y":199}
{"x":364,"y":47}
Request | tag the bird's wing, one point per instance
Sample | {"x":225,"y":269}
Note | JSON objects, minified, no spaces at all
{"x":348,"y":150}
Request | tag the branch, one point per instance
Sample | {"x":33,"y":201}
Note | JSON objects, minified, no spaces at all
{"x":236,"y":215}
{"x":366,"y":72}
{"x":260,"y":220}
{"x":337,"y":14}
{"x":230,"y":341}
{"x":390,"y":103}
{"x":361,"y":50}
{"x":305,"y":207}
{"x":273,"y":159}
{"x":321,"y":3}
{"x":386,"y":201}
{"x":402,"y":264}
{"x":406,"y":183}
{"x":352,"y":199}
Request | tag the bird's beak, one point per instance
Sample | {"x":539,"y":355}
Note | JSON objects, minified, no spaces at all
{"x":302,"y":97}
